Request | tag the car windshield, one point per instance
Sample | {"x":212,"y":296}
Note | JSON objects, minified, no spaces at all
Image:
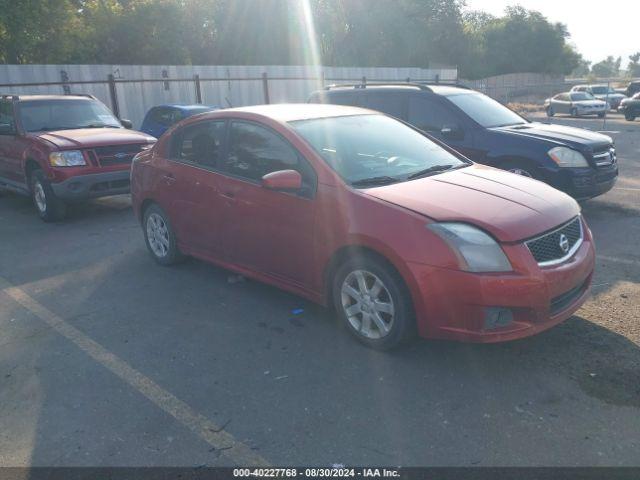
{"x":486,"y":111}
{"x":578,"y":96}
{"x":375,"y":149}
{"x":47,"y":115}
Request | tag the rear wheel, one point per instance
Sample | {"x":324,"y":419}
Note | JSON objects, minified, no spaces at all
{"x":373,"y":302}
{"x":630,"y":116}
{"x":49,"y":207}
{"x":574,"y":112}
{"x":601,"y":115}
{"x":160,"y":237}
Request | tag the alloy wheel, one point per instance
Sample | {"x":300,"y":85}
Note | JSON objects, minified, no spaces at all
{"x":39,"y":197}
{"x":367,"y":304}
{"x":158,"y":235}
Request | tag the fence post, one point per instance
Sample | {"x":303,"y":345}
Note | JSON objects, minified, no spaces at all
{"x":265,"y":87}
{"x":322,"y":79}
{"x":113,"y":93}
{"x":196,"y":81}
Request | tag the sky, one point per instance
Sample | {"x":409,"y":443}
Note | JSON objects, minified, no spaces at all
{"x":598,"y":28}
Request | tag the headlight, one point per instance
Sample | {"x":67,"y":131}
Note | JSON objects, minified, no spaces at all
{"x":567,"y":157}
{"x":476,"y":251}
{"x":69,"y":158}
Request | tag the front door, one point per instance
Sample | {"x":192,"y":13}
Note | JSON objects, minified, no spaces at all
{"x":266,"y":230}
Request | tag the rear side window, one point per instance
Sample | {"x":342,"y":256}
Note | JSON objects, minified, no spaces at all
{"x":350,"y":98}
{"x":428,"y":115}
{"x":391,"y":104}
{"x":200,"y":143}
{"x":7,"y":121}
{"x":165,"y":116}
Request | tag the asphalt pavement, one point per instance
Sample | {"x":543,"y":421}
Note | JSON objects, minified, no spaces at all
{"x":107,"y":359}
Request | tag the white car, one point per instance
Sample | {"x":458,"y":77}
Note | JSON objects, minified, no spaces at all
{"x":575,"y":104}
{"x":602,"y":92}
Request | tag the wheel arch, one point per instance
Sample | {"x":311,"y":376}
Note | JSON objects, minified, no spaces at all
{"x":30,"y":165}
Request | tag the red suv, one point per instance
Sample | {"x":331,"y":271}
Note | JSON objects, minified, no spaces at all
{"x":353,"y":208}
{"x":64,"y":148}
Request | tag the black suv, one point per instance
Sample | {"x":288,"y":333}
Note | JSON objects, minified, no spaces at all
{"x":579,"y":162}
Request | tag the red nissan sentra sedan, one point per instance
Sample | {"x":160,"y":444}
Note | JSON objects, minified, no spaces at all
{"x":351,"y":208}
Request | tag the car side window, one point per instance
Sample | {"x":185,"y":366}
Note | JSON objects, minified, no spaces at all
{"x":428,"y":115}
{"x":391,"y":104}
{"x":254,"y":151}
{"x":164,"y":116}
{"x":200,"y":143}
{"x":7,"y":120}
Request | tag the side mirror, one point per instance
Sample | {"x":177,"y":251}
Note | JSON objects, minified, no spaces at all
{"x":282,"y":180}
{"x":452,"y":132}
{"x":126,"y":123}
{"x":6,"y":129}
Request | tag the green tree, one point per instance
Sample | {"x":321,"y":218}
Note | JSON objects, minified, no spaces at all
{"x":609,"y":67}
{"x":633,"y":69}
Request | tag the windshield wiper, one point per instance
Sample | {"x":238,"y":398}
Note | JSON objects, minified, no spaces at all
{"x":96,"y":125}
{"x":427,"y":171}
{"x":382,"y":180}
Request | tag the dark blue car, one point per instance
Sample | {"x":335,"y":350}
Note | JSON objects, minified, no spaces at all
{"x":577,"y":161}
{"x":159,"y":119}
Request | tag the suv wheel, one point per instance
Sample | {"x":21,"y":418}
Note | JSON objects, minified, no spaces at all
{"x":373,"y":302}
{"x":49,"y":207}
{"x":520,"y":168}
{"x":160,"y":237}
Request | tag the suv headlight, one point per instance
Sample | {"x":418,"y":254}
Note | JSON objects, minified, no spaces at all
{"x":567,"y":157}
{"x":68,"y":158}
{"x":476,"y":251}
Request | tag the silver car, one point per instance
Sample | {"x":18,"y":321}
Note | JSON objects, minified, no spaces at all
{"x":602,"y":92}
{"x":575,"y":104}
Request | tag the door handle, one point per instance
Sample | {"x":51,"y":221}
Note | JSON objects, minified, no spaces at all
{"x":169,"y":179}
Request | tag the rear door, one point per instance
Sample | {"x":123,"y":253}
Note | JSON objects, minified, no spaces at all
{"x":11,"y":146}
{"x":266,"y":230}
{"x":191,"y":180}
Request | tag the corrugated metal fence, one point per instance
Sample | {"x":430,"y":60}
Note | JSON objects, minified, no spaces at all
{"x":130,"y":90}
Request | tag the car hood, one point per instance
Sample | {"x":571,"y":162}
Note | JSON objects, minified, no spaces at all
{"x":559,"y":134}
{"x":510,"y":207}
{"x":93,"y":137}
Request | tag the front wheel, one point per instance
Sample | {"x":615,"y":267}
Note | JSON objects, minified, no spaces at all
{"x":49,"y":207}
{"x":160,"y":237}
{"x":373,"y":302}
{"x":601,"y":115}
{"x":574,"y":112}
{"x":520,"y":168}
{"x":629,"y":116}
{"x":550,"y":112}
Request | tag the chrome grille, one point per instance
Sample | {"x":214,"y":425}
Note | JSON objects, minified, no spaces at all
{"x":547,"y":248}
{"x":116,"y":154}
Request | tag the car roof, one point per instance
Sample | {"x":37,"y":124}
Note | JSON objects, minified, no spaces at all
{"x":445,"y":90}
{"x":182,"y":106}
{"x":289,"y":112}
{"x":23,"y":98}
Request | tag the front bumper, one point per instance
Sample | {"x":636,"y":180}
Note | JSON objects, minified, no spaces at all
{"x":584,"y":183}
{"x":93,"y":185}
{"x":453,"y":304}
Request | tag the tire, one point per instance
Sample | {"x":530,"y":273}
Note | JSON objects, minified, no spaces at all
{"x":601,"y":115}
{"x":520,"y":168}
{"x":160,"y":237}
{"x":629,"y":116}
{"x":382,"y":320}
{"x":49,"y":207}
{"x":574,"y":112}
{"x":550,"y":112}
